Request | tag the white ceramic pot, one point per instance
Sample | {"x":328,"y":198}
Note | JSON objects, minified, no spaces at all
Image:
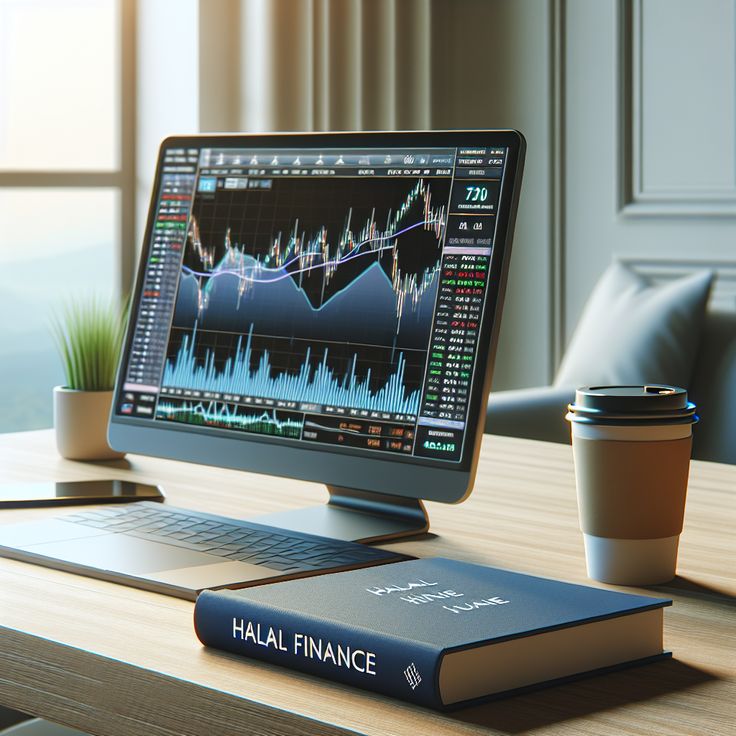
{"x":80,"y":420}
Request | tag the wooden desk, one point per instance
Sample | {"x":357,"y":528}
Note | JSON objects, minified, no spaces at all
{"x":114,"y":660}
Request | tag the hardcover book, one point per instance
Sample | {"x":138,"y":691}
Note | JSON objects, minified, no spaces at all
{"x":437,"y":632}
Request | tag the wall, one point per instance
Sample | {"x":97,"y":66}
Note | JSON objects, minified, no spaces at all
{"x":649,"y":163}
{"x":167,"y":84}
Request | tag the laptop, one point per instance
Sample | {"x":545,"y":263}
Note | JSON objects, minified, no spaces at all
{"x":179,"y":552}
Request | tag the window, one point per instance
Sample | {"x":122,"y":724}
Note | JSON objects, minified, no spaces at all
{"x":66,"y":180}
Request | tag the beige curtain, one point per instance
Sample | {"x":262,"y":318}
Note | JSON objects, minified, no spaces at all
{"x":344,"y":64}
{"x":334,"y":64}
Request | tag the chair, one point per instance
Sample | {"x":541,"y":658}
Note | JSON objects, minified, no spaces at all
{"x":538,"y":413}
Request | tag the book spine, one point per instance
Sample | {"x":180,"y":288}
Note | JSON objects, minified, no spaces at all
{"x":350,"y":655}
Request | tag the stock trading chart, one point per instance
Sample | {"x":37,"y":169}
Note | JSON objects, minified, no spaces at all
{"x":310,"y":294}
{"x":337,"y":299}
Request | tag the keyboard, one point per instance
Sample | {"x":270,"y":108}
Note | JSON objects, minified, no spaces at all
{"x":246,"y":541}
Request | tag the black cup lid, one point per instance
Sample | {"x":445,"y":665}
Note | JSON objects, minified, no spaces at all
{"x":652,"y":400}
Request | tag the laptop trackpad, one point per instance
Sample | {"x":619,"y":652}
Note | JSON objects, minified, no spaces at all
{"x":128,"y":555}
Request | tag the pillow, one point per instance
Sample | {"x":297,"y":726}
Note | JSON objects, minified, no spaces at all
{"x":632,"y":331}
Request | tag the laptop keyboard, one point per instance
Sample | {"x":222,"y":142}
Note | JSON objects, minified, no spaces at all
{"x":274,"y":548}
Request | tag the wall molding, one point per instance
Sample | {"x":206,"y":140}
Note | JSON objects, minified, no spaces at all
{"x":662,"y":270}
{"x":635,"y":200}
{"x":557,"y":50}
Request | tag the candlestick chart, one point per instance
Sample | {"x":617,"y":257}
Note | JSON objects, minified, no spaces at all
{"x":341,"y":266}
{"x":321,"y":294}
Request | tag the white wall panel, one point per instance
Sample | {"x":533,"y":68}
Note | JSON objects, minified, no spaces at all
{"x":685,"y":75}
{"x":650,"y":159}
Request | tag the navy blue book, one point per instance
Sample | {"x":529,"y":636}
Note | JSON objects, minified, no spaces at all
{"x":436,"y":632}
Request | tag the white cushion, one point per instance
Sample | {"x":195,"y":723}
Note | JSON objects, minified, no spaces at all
{"x":632,"y":331}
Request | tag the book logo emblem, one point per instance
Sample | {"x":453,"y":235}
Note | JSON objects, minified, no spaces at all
{"x":412,"y":676}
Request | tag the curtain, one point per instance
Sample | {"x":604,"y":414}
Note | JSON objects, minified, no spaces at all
{"x":344,"y":64}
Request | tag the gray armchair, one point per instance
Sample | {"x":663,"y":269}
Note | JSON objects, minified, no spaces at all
{"x":534,"y":413}
{"x":538,"y":413}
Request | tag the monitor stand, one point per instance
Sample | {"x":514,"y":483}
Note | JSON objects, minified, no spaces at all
{"x":355,"y":516}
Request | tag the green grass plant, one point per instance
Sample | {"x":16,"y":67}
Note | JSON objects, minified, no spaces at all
{"x":89,"y":335}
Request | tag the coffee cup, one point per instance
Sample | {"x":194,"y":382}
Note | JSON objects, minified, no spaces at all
{"x":632,"y":447}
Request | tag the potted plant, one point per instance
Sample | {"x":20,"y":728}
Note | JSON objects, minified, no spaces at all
{"x":89,"y":336}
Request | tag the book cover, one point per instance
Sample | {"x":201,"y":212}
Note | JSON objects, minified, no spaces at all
{"x":400,"y":629}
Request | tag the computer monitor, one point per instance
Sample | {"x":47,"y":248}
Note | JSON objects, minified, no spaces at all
{"x":323,"y":307}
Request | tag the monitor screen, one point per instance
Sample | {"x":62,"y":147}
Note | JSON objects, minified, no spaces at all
{"x":328,"y":293}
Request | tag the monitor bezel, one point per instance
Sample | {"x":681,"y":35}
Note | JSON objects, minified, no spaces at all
{"x":421,"y":478}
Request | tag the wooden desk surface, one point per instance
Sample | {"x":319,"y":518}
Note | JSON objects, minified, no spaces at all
{"x":114,"y":660}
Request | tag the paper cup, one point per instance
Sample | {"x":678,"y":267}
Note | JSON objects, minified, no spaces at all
{"x":631,"y":470}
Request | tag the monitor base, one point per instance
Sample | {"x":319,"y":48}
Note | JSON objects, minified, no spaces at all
{"x":356,"y":516}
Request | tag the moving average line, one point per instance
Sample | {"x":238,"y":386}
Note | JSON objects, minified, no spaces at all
{"x":349,"y":257}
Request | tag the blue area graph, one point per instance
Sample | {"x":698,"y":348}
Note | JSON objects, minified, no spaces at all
{"x":280,"y":306}
{"x":315,"y":382}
